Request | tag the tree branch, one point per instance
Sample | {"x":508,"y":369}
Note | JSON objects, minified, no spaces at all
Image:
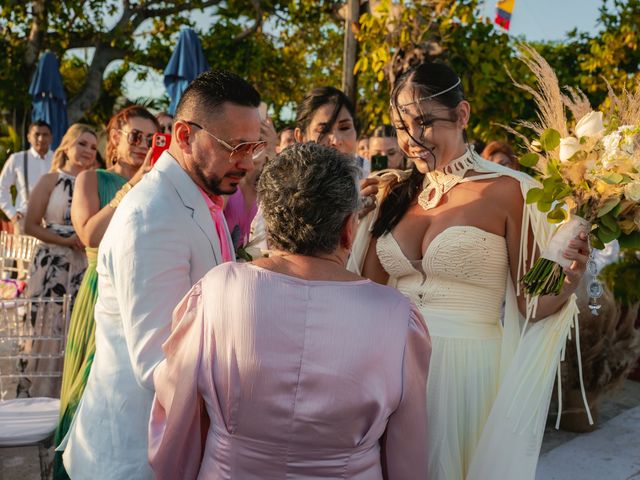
{"x":92,"y":87}
{"x":147,"y":12}
{"x":256,"y":24}
{"x":36,"y":34}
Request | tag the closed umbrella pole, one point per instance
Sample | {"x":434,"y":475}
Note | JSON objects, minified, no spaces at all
{"x":49,"y":102}
{"x":186,"y":63}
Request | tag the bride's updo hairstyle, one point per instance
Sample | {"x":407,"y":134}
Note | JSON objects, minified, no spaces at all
{"x":436,"y":82}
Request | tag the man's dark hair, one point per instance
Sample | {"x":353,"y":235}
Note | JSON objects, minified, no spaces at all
{"x":286,"y":128}
{"x":39,"y":123}
{"x":384,"y":131}
{"x":213,"y":88}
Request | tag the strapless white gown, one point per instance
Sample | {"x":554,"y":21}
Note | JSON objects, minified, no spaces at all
{"x":489,"y":382}
{"x":459,"y":286}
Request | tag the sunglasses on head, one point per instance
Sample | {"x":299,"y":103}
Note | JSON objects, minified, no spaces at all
{"x":134,"y":137}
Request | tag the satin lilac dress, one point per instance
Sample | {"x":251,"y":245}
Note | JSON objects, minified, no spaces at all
{"x":269,"y":376}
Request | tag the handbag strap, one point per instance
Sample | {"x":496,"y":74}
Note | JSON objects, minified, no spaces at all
{"x":25,"y":167}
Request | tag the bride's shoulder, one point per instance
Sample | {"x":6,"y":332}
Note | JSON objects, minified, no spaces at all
{"x":505,"y":190}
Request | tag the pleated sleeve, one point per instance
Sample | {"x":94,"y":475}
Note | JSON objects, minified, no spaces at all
{"x":179,"y":422}
{"x":404,"y":446}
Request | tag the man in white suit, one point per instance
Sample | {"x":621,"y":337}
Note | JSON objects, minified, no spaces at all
{"x":165,"y":235}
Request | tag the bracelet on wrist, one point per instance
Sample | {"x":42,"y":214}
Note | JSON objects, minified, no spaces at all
{"x":115,"y":201}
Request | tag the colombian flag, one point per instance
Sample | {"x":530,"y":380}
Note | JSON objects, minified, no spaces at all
{"x":504,"y":8}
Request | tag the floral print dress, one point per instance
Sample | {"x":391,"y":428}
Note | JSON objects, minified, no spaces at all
{"x":55,"y":271}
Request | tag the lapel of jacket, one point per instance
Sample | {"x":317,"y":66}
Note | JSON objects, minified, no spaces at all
{"x":192,"y":200}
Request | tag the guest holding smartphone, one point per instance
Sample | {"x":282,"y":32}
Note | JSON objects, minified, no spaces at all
{"x":384,"y":143}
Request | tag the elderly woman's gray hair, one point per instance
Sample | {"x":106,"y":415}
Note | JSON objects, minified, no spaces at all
{"x":306,"y":194}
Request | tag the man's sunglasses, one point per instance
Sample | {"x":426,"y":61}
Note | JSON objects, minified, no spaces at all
{"x":252,"y":149}
{"x":135,"y":137}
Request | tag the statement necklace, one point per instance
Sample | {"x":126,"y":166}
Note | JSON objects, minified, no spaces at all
{"x":439,"y":182}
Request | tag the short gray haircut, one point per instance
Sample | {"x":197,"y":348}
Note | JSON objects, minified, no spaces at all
{"x":306,"y":193}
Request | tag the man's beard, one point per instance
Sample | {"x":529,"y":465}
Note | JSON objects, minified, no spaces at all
{"x":212,"y":183}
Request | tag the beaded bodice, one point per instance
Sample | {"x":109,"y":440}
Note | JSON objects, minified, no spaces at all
{"x":464,"y":270}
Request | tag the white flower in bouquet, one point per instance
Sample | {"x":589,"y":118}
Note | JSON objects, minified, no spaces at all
{"x":632,"y":191}
{"x":590,"y":125}
{"x":610,"y":143}
{"x":589,"y":178}
{"x":569,"y":146}
{"x":618,"y":146}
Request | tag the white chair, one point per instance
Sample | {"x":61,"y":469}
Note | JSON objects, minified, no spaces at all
{"x":16,"y":254}
{"x":31,"y":330}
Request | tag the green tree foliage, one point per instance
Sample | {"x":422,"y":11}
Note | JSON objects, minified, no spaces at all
{"x":399,"y":34}
{"x":279,"y":45}
{"x":451,"y":32}
{"x":287,"y":47}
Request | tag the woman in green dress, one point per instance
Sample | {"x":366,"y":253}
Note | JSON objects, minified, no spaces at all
{"x":129,"y":138}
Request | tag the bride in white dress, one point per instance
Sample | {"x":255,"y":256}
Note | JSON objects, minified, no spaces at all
{"x":454,"y":235}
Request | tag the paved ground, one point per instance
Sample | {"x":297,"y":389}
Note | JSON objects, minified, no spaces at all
{"x":611,"y":452}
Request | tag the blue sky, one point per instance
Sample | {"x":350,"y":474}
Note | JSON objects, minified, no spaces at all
{"x":534,"y":20}
{"x":549,"y":19}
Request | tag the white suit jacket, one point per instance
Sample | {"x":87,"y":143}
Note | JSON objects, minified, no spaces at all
{"x":160,"y":242}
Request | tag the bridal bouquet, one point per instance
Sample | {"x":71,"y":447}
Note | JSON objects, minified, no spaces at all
{"x":589,"y":167}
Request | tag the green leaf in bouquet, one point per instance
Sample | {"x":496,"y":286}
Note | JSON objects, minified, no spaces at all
{"x":626,"y":178}
{"x":551,"y":182}
{"x":544,"y":206}
{"x":529,"y":160}
{"x":557,"y":215}
{"x":595,"y":241}
{"x":608,"y":206}
{"x":605,"y":234}
{"x":550,"y":139}
{"x":609,"y":221}
{"x":565,"y":192}
{"x":613,"y":178}
{"x":534,"y":195}
{"x":630,"y":241}
{"x":553,"y":171}
{"x":553,"y":189}
{"x":560,"y":191}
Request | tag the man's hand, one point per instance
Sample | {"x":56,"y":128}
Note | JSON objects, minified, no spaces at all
{"x":17,"y":217}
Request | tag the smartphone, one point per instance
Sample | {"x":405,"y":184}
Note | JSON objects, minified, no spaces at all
{"x":262,"y":109}
{"x":379,"y":162}
{"x":160,"y":143}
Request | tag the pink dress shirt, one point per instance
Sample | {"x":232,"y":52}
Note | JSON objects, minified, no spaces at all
{"x":268,"y":376}
{"x":239,"y":216}
{"x":215,"y":204}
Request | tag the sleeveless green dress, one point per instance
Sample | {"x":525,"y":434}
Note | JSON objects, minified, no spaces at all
{"x":81,"y":345}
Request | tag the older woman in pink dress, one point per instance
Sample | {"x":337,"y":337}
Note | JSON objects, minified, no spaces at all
{"x":291,"y":366}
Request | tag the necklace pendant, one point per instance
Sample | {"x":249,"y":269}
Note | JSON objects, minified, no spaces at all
{"x":430,"y":196}
{"x":439,"y":182}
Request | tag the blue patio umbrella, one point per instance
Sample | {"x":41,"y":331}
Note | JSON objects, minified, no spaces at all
{"x":49,"y":100}
{"x":186,"y":63}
